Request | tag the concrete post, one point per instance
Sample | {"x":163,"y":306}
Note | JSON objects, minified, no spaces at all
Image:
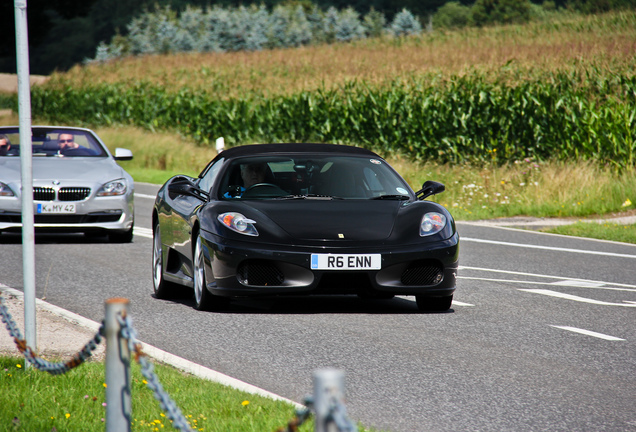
{"x":328,"y":387}
{"x":118,"y":399}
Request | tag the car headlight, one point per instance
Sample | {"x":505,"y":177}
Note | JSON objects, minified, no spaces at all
{"x":5,"y":190}
{"x":432,"y":223}
{"x":238,"y":223}
{"x":113,"y":188}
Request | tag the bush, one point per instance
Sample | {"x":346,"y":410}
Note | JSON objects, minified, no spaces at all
{"x":486,"y":12}
{"x":452,"y":15}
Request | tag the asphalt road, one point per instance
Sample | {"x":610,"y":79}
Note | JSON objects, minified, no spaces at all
{"x":541,"y":336}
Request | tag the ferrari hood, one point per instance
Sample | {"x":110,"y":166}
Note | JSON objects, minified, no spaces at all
{"x":348,"y":220}
{"x":62,"y":169}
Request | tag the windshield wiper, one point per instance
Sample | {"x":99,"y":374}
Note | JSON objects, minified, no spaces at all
{"x":391,"y":197}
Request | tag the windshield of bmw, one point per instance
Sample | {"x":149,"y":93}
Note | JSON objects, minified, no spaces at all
{"x":315,"y":177}
{"x":53,"y":142}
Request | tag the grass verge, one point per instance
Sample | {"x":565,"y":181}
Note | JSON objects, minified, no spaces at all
{"x":32,"y":400}
{"x":604,"y":231}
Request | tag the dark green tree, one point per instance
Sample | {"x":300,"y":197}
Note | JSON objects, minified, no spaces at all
{"x":485,"y":12}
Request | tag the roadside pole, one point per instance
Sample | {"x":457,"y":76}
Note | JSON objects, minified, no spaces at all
{"x":26,"y":167}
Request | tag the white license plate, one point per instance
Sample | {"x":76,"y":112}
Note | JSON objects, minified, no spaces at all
{"x":55,"y":208}
{"x":346,"y":261}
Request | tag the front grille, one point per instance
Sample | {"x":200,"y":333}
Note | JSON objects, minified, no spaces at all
{"x":43,"y":193}
{"x":64,"y":194}
{"x":73,"y":193}
{"x":260,"y":273}
{"x":423,"y":273}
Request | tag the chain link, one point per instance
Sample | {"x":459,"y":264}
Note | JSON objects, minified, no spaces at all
{"x":338,"y":413}
{"x":37,"y":361}
{"x":302,"y":415}
{"x":167,"y":404}
{"x":337,"y":410}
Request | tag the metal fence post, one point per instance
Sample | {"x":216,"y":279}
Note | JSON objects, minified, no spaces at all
{"x":328,"y":389}
{"x":118,"y":399}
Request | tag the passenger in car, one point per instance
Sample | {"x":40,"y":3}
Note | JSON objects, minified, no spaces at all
{"x":5,"y":145}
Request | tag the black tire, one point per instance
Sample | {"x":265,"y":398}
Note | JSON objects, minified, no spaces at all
{"x":122,"y":236}
{"x":433,"y":304}
{"x":163,"y":289}
{"x":204,"y":300}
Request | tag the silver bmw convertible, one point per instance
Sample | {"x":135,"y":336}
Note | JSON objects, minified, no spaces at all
{"x":77,"y":184}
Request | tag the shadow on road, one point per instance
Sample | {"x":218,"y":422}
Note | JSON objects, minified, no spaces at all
{"x":307,"y":305}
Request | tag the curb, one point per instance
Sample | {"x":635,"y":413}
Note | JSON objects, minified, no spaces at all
{"x":158,"y":354}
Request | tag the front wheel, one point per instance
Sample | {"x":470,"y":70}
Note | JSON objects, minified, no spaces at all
{"x":203,"y":299}
{"x":433,"y":304}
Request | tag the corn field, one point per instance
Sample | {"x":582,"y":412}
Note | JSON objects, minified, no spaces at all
{"x":457,"y":119}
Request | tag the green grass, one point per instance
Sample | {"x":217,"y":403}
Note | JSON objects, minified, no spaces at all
{"x":605,"y":231}
{"x":32,"y":400}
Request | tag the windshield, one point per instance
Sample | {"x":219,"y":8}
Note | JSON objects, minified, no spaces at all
{"x":58,"y":142}
{"x":315,"y":177}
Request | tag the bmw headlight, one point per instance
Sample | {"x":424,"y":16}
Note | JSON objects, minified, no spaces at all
{"x":5,"y":190}
{"x":113,"y":188}
{"x":238,"y":223}
{"x":432,"y":223}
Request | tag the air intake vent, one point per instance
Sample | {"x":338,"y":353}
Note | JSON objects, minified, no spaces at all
{"x":423,"y":273}
{"x":260,"y":273}
{"x":43,"y":193}
{"x":73,"y":193}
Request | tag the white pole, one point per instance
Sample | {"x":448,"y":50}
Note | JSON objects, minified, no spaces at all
{"x":26,"y":166}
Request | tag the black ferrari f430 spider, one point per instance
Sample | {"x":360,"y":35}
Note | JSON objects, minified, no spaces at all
{"x":293,"y":219}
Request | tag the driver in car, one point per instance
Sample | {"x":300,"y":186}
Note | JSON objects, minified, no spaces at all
{"x":66,"y":141}
{"x":253,"y":173}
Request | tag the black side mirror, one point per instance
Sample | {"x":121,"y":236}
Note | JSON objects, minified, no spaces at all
{"x":430,"y":188}
{"x":184,"y":186}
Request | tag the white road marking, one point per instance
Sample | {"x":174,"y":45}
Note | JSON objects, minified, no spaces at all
{"x":528,"y":246}
{"x":576,"y":282}
{"x":455,"y":302}
{"x":579,"y":283}
{"x":140,"y":195}
{"x":458,"y":303}
{"x":575,"y":298}
{"x":588,"y":333}
{"x":142,"y":232}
